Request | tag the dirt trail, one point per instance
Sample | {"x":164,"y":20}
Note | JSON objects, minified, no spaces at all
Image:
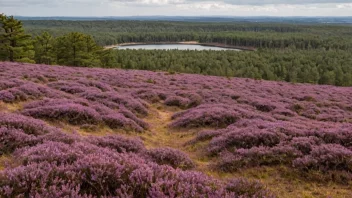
{"x":160,"y":135}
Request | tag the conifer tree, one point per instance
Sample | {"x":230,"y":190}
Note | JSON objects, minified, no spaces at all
{"x":77,"y":49}
{"x":44,"y":49}
{"x":15,"y":45}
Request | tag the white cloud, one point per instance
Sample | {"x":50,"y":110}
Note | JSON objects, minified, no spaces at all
{"x":344,"y":6}
{"x":176,"y":7}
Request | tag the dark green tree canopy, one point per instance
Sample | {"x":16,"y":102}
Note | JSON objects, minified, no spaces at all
{"x":44,"y":49}
{"x":15,"y":44}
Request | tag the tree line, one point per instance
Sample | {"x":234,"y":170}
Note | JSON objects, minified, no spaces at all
{"x":73,"y":49}
{"x":259,"y":35}
{"x":332,"y":67}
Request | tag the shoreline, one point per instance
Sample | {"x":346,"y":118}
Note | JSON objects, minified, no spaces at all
{"x":184,"y":43}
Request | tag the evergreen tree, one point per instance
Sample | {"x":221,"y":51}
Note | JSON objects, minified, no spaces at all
{"x":77,"y":49}
{"x":15,"y":44}
{"x":44,"y":49}
{"x":108,"y":58}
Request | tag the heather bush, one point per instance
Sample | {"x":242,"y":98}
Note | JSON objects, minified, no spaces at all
{"x":54,"y":102}
{"x":68,"y":87}
{"x":27,"y":91}
{"x":150,"y":95}
{"x":82,"y":112}
{"x":172,"y":157}
{"x":341,"y":136}
{"x":118,"y":143}
{"x":244,"y":138}
{"x":95,"y":84}
{"x":128,"y":114}
{"x":117,"y":120}
{"x":72,"y":113}
{"x":194,"y":99}
{"x":264,"y":106}
{"x":7,"y":96}
{"x":9,"y":83}
{"x":114,"y":100}
{"x":207,"y":135}
{"x":305,"y":144}
{"x":257,"y":156}
{"x":206,"y":115}
{"x":177,"y":101}
{"x":59,"y":136}
{"x":245,"y":188}
{"x":326,"y":157}
{"x":283,"y":111}
{"x":54,"y":152}
{"x":12,"y":139}
{"x":29,"y":125}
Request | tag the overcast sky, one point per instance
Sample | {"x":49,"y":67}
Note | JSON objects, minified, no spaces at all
{"x":176,"y":7}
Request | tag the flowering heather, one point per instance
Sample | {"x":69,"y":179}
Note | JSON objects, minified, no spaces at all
{"x":207,"y":115}
{"x":177,"y":101}
{"x":81,"y":111}
{"x":246,"y":188}
{"x":114,"y":100}
{"x":28,"y":125}
{"x":326,"y":157}
{"x":72,"y":113}
{"x":152,"y":96}
{"x":249,"y":123}
{"x":118,"y":143}
{"x":257,"y":156}
{"x":172,"y":157}
{"x":184,"y":99}
{"x":69,"y":87}
{"x":118,"y":120}
{"x":27,"y":91}
{"x":83,"y":169}
{"x":11,"y":139}
{"x":128,"y":114}
{"x":244,"y":138}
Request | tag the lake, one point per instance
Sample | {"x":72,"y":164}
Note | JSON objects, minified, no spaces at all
{"x":174,"y":46}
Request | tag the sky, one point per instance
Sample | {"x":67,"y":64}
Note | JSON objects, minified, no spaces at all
{"x":176,"y":7}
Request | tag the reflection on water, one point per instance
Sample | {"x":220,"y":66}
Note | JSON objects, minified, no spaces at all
{"x":174,"y":46}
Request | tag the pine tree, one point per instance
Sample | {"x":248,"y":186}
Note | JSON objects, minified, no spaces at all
{"x":77,"y":49}
{"x":44,"y":49}
{"x":15,"y":45}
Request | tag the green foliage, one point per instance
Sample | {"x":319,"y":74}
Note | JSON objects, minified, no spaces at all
{"x":259,"y":35}
{"x":44,"y":49}
{"x":15,"y":45}
{"x":302,"y":66}
{"x":76,"y":49}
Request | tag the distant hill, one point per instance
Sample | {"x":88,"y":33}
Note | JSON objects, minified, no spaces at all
{"x":338,"y":20}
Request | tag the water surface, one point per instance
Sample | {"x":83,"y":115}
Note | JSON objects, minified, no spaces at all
{"x":173,"y":46}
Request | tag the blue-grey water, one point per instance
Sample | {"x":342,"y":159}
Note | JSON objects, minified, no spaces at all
{"x":173,"y":46}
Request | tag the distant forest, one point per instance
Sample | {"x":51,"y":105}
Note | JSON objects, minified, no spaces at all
{"x":260,"y":35}
{"x":304,"y":53}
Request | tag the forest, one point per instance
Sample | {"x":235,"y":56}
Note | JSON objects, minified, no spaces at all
{"x":298,"y":53}
{"x":261,"y":35}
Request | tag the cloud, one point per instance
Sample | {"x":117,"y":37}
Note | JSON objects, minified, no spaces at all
{"x":208,"y":4}
{"x":344,"y":6}
{"x":24,"y":3}
{"x":232,"y":2}
{"x":176,"y":7}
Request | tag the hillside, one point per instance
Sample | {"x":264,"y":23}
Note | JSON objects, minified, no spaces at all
{"x":69,"y":131}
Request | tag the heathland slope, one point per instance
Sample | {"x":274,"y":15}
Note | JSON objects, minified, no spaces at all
{"x":83,"y":132}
